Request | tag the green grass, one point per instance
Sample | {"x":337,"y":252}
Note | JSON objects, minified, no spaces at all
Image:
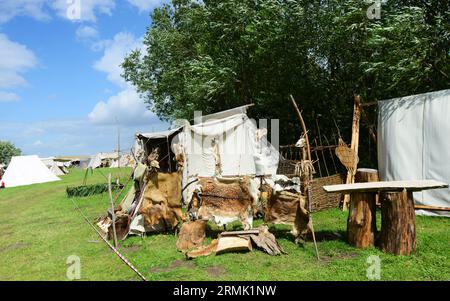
{"x":40,"y":228}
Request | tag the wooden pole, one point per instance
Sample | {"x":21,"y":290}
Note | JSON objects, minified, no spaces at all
{"x":354,"y":146}
{"x":302,"y":123}
{"x":113,"y":214}
{"x":309,"y":178}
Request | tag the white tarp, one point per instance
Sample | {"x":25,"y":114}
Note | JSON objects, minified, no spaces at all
{"x":27,"y":170}
{"x":414,"y":144}
{"x":240,"y":149}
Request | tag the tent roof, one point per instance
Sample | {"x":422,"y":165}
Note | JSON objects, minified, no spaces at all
{"x":27,"y":170}
{"x":159,"y":135}
{"x":222,"y":114}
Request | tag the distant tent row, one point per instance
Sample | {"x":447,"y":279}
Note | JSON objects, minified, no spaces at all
{"x":58,"y":168}
{"x":112,"y":160}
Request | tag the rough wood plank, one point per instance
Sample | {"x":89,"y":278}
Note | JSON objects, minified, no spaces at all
{"x":236,"y":233}
{"x":393,"y":186}
{"x":233,"y":244}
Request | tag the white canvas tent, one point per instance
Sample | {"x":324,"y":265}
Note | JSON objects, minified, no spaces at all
{"x":27,"y":170}
{"x":413,"y":144}
{"x":57,"y":168}
{"x":239,"y":146}
{"x":102,"y":159}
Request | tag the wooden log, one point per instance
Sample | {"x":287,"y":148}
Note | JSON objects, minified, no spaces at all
{"x":364,"y":175}
{"x":398,"y":223}
{"x":233,"y":244}
{"x":361,"y":222}
{"x":432,"y":208}
{"x":386,"y":186}
{"x":354,"y":146}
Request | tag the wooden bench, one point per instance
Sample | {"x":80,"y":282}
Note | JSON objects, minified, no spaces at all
{"x":398,"y":219}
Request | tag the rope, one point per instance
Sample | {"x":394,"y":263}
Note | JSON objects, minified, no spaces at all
{"x":109,"y":244}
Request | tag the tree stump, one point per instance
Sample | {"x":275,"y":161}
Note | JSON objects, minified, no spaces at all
{"x":398,"y":223}
{"x":364,"y":175}
{"x":361,"y":222}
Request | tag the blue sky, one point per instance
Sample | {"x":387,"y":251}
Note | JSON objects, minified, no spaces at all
{"x":60,"y":86}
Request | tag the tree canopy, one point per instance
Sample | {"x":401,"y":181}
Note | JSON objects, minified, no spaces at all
{"x":7,"y":151}
{"x":213,"y":55}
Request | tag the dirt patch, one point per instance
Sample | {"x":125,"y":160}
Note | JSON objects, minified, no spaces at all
{"x":173,"y":266}
{"x":5,"y":234}
{"x":344,"y":255}
{"x":13,"y":247}
{"x":215,"y":270}
{"x":131,"y":249}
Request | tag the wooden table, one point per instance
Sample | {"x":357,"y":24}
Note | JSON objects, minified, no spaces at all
{"x":398,"y":219}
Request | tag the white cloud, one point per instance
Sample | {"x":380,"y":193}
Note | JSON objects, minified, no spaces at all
{"x":126,"y":106}
{"x":38,"y":143}
{"x":85,"y":32}
{"x":8,"y":96}
{"x":17,"y":59}
{"x":115,"y":51}
{"x":12,"y":8}
{"x":146,"y":5}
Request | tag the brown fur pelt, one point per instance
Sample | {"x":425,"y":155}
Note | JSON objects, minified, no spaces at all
{"x":224,"y":199}
{"x":192,"y":235}
{"x":161,"y":204}
{"x":288,"y":208}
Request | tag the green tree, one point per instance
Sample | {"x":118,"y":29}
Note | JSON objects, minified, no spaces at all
{"x":7,"y":151}
{"x":214,"y":55}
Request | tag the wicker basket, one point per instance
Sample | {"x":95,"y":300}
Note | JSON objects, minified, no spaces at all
{"x":321,"y":199}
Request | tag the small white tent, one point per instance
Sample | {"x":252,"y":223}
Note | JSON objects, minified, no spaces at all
{"x":27,"y":170}
{"x":413,"y":144}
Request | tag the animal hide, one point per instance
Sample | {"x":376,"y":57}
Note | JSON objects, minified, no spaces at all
{"x":161,"y":204}
{"x":223,"y":201}
{"x":288,"y":208}
{"x":192,"y":235}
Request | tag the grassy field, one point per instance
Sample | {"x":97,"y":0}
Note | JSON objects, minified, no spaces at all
{"x":40,"y":228}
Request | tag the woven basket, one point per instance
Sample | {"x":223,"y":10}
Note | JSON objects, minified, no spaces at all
{"x":321,"y":199}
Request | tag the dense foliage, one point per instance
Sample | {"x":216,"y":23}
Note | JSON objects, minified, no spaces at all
{"x":212,"y":55}
{"x":7,"y":151}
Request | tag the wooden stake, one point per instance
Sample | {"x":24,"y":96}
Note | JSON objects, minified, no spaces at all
{"x":113,"y":214}
{"x":310,"y":176}
{"x":354,"y":146}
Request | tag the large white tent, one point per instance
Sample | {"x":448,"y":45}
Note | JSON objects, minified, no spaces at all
{"x":414,"y":144}
{"x":27,"y":170}
{"x":230,"y":138}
